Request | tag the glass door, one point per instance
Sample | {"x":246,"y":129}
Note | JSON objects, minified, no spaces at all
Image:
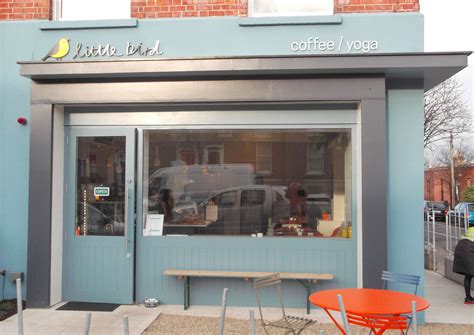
{"x":99,"y":215}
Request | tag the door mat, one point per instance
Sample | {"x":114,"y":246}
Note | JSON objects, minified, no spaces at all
{"x":88,"y":306}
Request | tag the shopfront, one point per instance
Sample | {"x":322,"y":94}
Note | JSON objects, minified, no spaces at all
{"x":264,"y":152}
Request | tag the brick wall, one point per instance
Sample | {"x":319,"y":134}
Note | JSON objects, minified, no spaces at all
{"x":372,"y":6}
{"x":41,"y":9}
{"x":25,"y":9}
{"x":188,"y":8}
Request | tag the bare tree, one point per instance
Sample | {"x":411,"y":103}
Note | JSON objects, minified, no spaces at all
{"x":446,"y":113}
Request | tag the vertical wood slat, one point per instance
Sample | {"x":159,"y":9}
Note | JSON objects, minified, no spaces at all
{"x":227,"y":253}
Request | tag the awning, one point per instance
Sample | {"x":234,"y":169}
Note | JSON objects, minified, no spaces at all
{"x":429,"y":69}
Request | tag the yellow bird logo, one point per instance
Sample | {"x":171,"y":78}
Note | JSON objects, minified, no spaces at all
{"x":59,"y":51}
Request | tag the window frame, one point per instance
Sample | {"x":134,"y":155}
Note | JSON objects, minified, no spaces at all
{"x":352,"y":128}
{"x":329,"y":11}
{"x":57,"y":12}
{"x":215,"y":148}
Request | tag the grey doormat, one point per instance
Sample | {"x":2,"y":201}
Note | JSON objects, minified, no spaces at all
{"x":88,"y":306}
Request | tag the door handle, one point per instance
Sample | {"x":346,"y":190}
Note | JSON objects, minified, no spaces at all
{"x":128,"y":201}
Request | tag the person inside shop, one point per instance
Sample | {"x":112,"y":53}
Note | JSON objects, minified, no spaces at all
{"x":162,"y":203}
{"x":296,"y":195}
{"x":464,"y":262}
{"x":167,"y":204}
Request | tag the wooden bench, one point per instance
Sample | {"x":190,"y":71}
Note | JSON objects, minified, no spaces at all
{"x":305,"y":279}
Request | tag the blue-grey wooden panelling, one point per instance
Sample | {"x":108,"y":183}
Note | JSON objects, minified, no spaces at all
{"x":315,"y":255}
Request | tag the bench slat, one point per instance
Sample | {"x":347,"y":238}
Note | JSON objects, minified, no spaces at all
{"x":243,"y":274}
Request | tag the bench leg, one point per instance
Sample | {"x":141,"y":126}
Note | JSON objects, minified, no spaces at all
{"x":187,"y":292}
{"x":307,"y":285}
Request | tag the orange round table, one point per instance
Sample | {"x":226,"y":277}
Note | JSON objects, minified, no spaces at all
{"x":368,"y":301}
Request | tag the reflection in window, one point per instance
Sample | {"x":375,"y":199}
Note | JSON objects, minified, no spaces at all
{"x":245,"y":182}
{"x":315,"y":158}
{"x":100,"y":186}
{"x":263,"y":157}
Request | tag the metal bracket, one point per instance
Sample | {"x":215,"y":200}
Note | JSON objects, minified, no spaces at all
{"x":187,"y":292}
{"x":308,"y":285}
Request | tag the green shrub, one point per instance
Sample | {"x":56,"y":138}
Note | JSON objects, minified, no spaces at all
{"x":469,"y":194}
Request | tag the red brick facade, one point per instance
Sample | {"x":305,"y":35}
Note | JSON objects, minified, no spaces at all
{"x":372,"y":6}
{"x":187,"y":8}
{"x":438,"y":182}
{"x":141,"y":9}
{"x":25,"y":9}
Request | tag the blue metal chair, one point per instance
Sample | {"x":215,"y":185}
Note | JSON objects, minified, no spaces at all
{"x":402,"y":278}
{"x":388,"y":276}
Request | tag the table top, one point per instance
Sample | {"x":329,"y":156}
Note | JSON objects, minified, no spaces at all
{"x":369,"y":301}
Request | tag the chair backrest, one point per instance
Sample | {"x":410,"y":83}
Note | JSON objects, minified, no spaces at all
{"x":374,"y":322}
{"x":266,"y":281}
{"x":388,"y":276}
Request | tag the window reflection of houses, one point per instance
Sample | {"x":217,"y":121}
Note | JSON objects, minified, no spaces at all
{"x":319,"y":160}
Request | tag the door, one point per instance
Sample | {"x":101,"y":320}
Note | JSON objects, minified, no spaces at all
{"x":99,"y":215}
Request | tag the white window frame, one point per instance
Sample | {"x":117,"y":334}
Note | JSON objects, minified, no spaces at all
{"x":57,"y":8}
{"x":214,"y":147}
{"x":309,"y":170}
{"x":327,"y":4}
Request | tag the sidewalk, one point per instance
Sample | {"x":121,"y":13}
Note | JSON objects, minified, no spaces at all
{"x":446,"y":298}
{"x":447,"y":301}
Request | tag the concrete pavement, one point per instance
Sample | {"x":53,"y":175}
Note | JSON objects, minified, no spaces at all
{"x":446,"y":298}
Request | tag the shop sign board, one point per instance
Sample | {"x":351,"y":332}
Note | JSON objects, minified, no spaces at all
{"x":64,"y":47}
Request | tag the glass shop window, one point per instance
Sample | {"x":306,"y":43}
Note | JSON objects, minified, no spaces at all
{"x":100,"y":186}
{"x":70,"y":10}
{"x":290,"y":8}
{"x":200,"y":182}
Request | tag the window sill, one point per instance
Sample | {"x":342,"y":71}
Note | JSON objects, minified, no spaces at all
{"x":290,"y":20}
{"x":315,"y":173}
{"x":89,"y":24}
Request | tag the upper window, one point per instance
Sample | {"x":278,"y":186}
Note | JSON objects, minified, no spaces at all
{"x":91,"y":9}
{"x":315,"y":159}
{"x":290,"y":8}
{"x":263,"y":157}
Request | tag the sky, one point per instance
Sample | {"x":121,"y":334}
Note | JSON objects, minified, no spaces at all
{"x":449,"y":26}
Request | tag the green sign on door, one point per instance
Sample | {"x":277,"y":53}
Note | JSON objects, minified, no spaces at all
{"x":101,"y":191}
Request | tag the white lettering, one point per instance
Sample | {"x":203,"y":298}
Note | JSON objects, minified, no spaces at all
{"x":303,"y":46}
{"x":294,"y":46}
{"x":315,"y":44}
{"x":349,"y":46}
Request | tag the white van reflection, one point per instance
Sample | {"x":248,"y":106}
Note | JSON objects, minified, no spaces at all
{"x":241,"y":210}
{"x":189,"y":185}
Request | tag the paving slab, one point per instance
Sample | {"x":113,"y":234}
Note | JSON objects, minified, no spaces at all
{"x":52,"y":322}
{"x":446,"y":299}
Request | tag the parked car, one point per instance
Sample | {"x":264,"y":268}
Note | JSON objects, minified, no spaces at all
{"x":439,"y":208}
{"x":246,"y":209}
{"x":462,"y":211}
